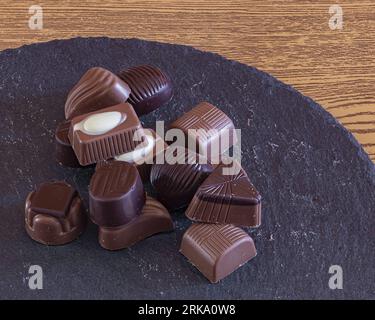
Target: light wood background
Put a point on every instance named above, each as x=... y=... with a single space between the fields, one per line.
x=290 y=39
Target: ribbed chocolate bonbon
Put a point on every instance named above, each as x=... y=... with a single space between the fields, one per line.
x=176 y=183
x=150 y=88
x=97 y=89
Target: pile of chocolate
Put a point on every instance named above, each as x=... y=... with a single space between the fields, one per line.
x=102 y=128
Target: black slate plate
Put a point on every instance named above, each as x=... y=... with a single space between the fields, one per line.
x=317 y=183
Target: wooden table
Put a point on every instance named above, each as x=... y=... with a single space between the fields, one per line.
x=291 y=39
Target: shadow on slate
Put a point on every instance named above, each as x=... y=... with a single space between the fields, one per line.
x=318 y=185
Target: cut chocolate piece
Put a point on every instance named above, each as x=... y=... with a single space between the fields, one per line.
x=63 y=149
x=153 y=219
x=176 y=184
x=54 y=214
x=143 y=156
x=116 y=194
x=97 y=89
x=217 y=250
x=150 y=88
x=207 y=129
x=226 y=198
x=106 y=133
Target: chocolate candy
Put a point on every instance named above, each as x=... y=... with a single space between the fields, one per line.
x=226 y=198
x=97 y=89
x=176 y=184
x=150 y=88
x=217 y=250
x=106 y=133
x=116 y=194
x=142 y=157
x=54 y=214
x=209 y=129
x=153 y=219
x=63 y=149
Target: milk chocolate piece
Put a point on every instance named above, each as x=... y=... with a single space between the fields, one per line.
x=106 y=133
x=150 y=88
x=54 y=214
x=177 y=183
x=153 y=219
x=63 y=149
x=116 y=194
x=213 y=131
x=143 y=156
x=97 y=89
x=230 y=199
x=217 y=250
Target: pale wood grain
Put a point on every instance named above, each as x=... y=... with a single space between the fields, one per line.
x=290 y=39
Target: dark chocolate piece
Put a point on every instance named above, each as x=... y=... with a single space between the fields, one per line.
x=54 y=214
x=106 y=133
x=217 y=250
x=177 y=183
x=143 y=156
x=153 y=219
x=223 y=198
x=150 y=88
x=116 y=194
x=97 y=89
x=217 y=127
x=63 y=149
x=143 y=169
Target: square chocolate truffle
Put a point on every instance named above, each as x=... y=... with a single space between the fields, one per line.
x=207 y=130
x=217 y=250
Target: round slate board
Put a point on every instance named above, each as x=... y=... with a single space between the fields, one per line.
x=318 y=185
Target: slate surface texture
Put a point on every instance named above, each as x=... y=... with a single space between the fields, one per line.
x=317 y=183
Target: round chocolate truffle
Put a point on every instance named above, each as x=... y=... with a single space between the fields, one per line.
x=54 y=214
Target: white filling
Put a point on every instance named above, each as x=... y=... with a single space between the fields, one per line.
x=140 y=152
x=100 y=123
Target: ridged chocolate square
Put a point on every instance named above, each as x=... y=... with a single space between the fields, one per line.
x=207 y=117
x=217 y=250
x=93 y=148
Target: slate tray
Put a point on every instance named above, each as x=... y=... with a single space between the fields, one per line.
x=317 y=183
